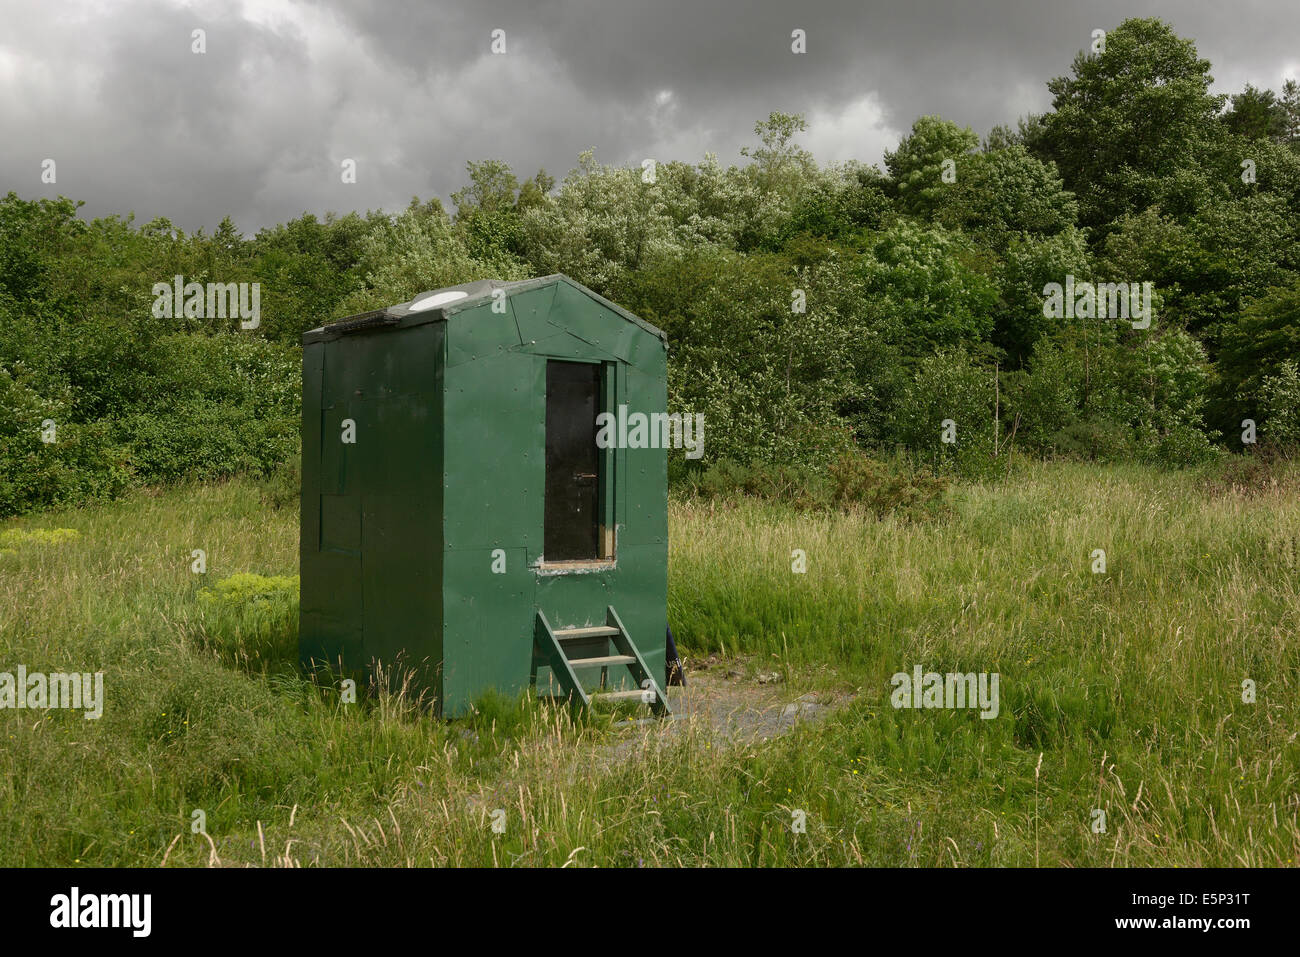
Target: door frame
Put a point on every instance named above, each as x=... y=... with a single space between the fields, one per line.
x=606 y=527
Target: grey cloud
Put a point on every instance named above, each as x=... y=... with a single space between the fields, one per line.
x=257 y=127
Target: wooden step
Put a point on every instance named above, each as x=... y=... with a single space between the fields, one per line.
x=595 y=631
x=602 y=661
x=621 y=696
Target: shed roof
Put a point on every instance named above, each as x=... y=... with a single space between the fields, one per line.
x=438 y=305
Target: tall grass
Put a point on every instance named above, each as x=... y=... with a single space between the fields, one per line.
x=1126 y=686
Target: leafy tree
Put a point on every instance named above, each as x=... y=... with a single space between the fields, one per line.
x=1047 y=396
x=1002 y=137
x=535 y=192
x=945 y=415
x=917 y=165
x=767 y=376
x=604 y=223
x=1140 y=109
x=492 y=188
x=1291 y=104
x=841 y=203
x=1205 y=269
x=418 y=250
x=32 y=235
x=1257 y=115
x=1005 y=192
x=1169 y=381
x=1265 y=334
x=925 y=288
x=486 y=210
x=1030 y=263
x=780 y=165
x=307 y=268
x=1280 y=400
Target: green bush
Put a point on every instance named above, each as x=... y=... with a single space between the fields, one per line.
x=1169 y=380
x=791 y=485
x=949 y=397
x=282 y=488
x=1280 y=398
x=1182 y=445
x=853 y=481
x=1094 y=439
x=860 y=482
x=82 y=463
x=205 y=440
x=219 y=405
x=1046 y=398
x=128 y=405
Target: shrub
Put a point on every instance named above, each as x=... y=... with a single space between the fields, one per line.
x=204 y=439
x=219 y=405
x=1093 y=439
x=82 y=463
x=282 y=488
x=853 y=481
x=948 y=387
x=1259 y=472
x=858 y=481
x=1280 y=399
x=1047 y=396
x=1183 y=445
x=1170 y=382
x=788 y=484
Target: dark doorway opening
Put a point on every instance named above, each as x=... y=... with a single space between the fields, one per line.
x=573 y=463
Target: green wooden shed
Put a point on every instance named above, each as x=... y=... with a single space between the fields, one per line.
x=461 y=522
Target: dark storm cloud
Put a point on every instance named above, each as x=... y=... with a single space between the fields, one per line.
x=258 y=126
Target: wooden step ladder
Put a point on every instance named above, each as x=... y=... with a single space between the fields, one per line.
x=549 y=649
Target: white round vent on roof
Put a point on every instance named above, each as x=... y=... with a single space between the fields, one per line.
x=436 y=299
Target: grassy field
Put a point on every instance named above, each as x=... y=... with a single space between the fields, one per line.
x=1120 y=691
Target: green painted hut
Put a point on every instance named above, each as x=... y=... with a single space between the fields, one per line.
x=460 y=519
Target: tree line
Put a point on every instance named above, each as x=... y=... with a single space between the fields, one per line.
x=812 y=311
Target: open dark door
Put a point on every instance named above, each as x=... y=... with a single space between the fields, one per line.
x=573 y=463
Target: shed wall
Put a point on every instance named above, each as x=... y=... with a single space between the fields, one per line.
x=371 y=548
x=495 y=483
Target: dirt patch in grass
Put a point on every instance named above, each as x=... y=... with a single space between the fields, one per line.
x=731 y=703
x=738 y=704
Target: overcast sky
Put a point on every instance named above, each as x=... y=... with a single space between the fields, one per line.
x=258 y=126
